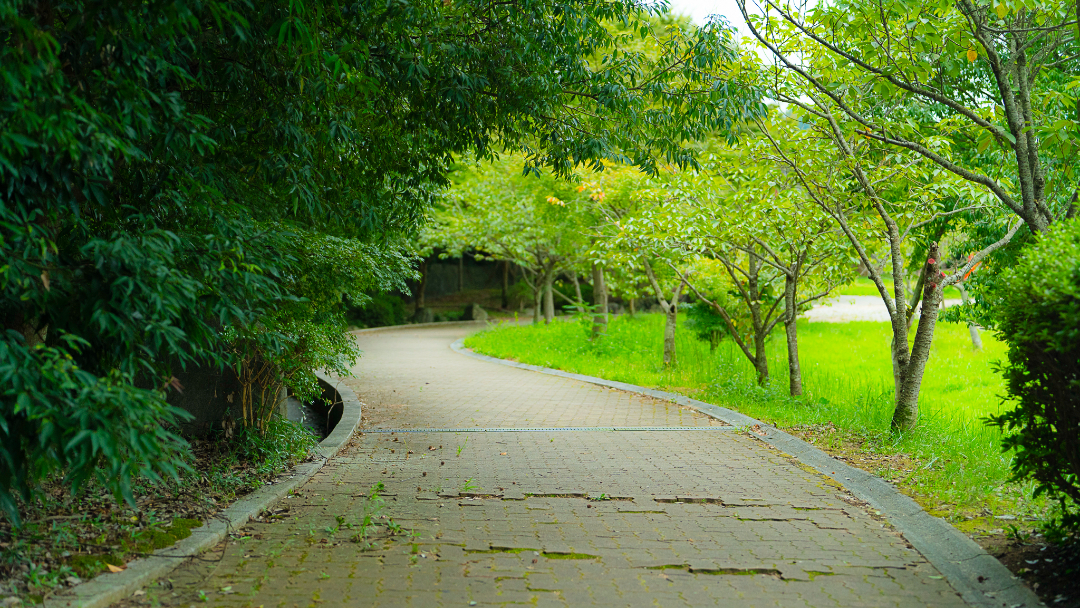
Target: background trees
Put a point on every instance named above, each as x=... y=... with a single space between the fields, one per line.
x=173 y=173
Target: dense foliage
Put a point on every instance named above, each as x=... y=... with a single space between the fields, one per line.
x=201 y=182
x=1039 y=317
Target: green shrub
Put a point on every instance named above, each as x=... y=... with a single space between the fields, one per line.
x=1038 y=304
x=706 y=323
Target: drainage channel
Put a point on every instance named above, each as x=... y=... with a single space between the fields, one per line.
x=551 y=429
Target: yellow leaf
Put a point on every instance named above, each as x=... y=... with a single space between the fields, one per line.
x=1001 y=10
x=113 y=568
x=972 y=55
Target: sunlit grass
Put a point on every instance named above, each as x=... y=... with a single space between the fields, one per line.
x=863 y=286
x=953 y=461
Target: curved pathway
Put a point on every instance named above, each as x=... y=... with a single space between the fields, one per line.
x=523 y=494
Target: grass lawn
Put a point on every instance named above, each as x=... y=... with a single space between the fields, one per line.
x=863 y=286
x=952 y=464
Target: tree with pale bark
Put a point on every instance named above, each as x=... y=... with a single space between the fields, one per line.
x=766 y=252
x=501 y=214
x=878 y=196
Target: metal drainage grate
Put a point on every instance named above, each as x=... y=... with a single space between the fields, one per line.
x=552 y=429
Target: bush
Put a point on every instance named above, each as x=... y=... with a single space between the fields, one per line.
x=1038 y=304
x=706 y=323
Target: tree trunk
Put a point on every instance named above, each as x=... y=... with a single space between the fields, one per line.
x=632 y=309
x=761 y=361
x=421 y=289
x=506 y=285
x=600 y=314
x=461 y=273
x=906 y=414
x=791 y=311
x=714 y=340
x=916 y=296
x=671 y=322
x=973 y=329
x=580 y=305
x=549 y=297
x=538 y=297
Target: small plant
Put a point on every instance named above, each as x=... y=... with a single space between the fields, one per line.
x=332 y=530
x=462 y=446
x=394 y=529
x=1016 y=534
x=468 y=486
x=372 y=509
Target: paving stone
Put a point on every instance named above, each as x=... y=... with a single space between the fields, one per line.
x=716 y=518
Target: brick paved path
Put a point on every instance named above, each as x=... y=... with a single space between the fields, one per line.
x=706 y=517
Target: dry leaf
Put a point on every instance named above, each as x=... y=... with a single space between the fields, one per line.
x=972 y=55
x=45 y=279
x=502 y=453
x=113 y=568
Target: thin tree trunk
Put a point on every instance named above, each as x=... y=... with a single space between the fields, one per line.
x=671 y=312
x=461 y=273
x=577 y=293
x=506 y=285
x=421 y=289
x=714 y=340
x=916 y=296
x=973 y=329
x=600 y=314
x=670 y=324
x=791 y=311
x=632 y=308
x=761 y=360
x=906 y=415
x=538 y=297
x=549 y=297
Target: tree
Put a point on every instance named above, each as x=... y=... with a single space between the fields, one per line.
x=874 y=192
x=670 y=306
x=765 y=253
x=941 y=79
x=171 y=168
x=519 y=218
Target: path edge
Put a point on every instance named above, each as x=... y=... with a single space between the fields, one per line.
x=979 y=578
x=104 y=589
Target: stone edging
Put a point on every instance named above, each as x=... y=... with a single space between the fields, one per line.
x=107 y=588
x=372 y=330
x=980 y=579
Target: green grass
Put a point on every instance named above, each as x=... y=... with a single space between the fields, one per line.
x=952 y=463
x=863 y=286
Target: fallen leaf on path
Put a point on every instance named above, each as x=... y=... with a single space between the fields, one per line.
x=502 y=453
x=113 y=568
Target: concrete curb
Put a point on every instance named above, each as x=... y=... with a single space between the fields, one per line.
x=979 y=578
x=407 y=326
x=107 y=588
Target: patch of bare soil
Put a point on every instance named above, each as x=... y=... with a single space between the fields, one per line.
x=1051 y=571
x=67 y=539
